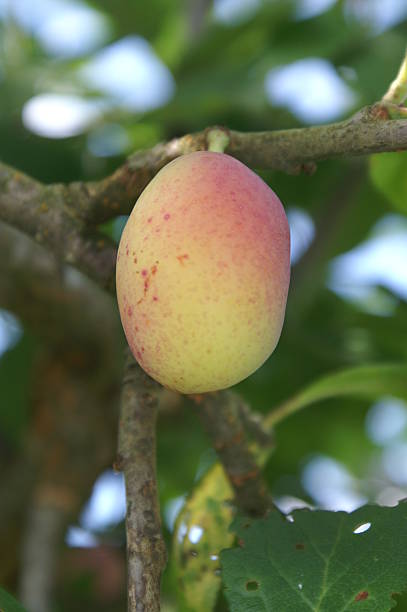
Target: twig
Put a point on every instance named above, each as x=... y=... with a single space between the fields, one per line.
x=146 y=552
x=292 y=151
x=220 y=416
x=61 y=217
x=253 y=423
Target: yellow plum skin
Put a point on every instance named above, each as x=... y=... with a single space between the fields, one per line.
x=202 y=275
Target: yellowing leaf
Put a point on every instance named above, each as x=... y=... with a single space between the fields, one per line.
x=202 y=531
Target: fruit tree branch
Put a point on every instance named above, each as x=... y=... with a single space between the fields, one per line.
x=70 y=441
x=46 y=214
x=292 y=151
x=146 y=552
x=63 y=217
x=221 y=417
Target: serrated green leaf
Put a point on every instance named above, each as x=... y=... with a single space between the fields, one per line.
x=388 y=172
x=196 y=562
x=317 y=562
x=365 y=381
x=8 y=603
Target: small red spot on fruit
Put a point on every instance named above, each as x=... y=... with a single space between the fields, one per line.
x=130 y=311
x=361 y=596
x=127 y=251
x=166 y=216
x=155 y=299
x=135 y=260
x=136 y=328
x=153 y=270
x=144 y=272
x=146 y=285
x=149 y=219
x=182 y=258
x=142 y=349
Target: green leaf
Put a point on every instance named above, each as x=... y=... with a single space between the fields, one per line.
x=196 y=563
x=318 y=562
x=388 y=172
x=8 y=603
x=208 y=506
x=365 y=381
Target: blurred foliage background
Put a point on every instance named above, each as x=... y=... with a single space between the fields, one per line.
x=82 y=85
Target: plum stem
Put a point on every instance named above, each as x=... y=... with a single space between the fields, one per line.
x=218 y=139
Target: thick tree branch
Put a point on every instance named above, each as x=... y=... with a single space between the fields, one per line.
x=117 y=194
x=292 y=151
x=146 y=553
x=71 y=437
x=69 y=442
x=63 y=217
x=46 y=214
x=221 y=417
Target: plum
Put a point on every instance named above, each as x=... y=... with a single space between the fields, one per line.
x=203 y=270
